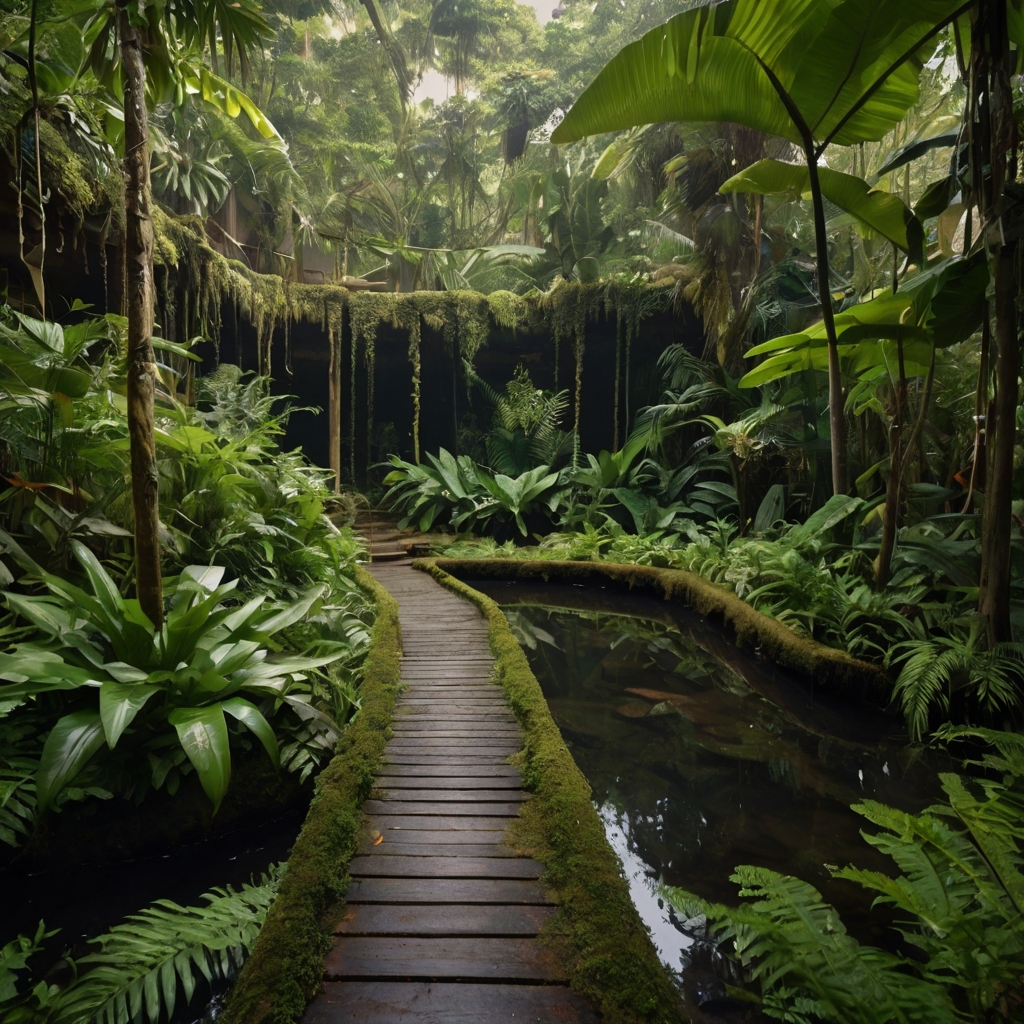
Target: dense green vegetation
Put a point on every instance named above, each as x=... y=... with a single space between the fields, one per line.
x=832 y=187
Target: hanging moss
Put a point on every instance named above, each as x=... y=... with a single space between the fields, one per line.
x=508 y=309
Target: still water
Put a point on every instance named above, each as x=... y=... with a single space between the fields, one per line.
x=702 y=757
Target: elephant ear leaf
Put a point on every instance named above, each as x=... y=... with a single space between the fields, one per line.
x=203 y=735
x=119 y=704
x=68 y=748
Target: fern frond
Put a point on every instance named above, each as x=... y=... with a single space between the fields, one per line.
x=136 y=974
x=17 y=799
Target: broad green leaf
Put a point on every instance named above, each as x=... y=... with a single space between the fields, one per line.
x=119 y=704
x=881 y=212
x=68 y=748
x=102 y=585
x=849 y=69
x=250 y=716
x=203 y=734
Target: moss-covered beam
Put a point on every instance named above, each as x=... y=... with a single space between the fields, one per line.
x=286 y=966
x=597 y=932
x=827 y=667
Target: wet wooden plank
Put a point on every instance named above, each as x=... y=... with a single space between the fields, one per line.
x=478 y=771
x=385 y=865
x=397 y=844
x=469 y=959
x=454 y=759
x=401 y=742
x=383 y=792
x=475 y=808
x=434 y=784
x=439 y=1003
x=463 y=919
x=446 y=890
x=441 y=840
x=440 y=823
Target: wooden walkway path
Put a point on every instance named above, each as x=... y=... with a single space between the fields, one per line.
x=442 y=918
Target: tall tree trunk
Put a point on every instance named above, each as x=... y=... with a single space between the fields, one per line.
x=894 y=484
x=997 y=521
x=836 y=401
x=990 y=85
x=138 y=257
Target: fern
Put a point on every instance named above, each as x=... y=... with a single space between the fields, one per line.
x=136 y=974
x=934 y=669
x=809 y=968
x=959 y=898
x=17 y=799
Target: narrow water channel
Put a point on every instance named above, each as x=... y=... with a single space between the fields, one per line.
x=702 y=757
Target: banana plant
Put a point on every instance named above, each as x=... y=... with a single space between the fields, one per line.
x=811 y=72
x=206 y=663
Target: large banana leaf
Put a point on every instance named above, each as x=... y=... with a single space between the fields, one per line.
x=844 y=71
x=881 y=212
x=940 y=306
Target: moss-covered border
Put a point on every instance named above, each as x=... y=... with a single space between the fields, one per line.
x=829 y=668
x=598 y=934
x=286 y=966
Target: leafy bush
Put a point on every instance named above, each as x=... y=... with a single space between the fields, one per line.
x=959 y=900
x=458 y=492
x=166 y=689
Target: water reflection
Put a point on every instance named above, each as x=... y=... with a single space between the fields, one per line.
x=702 y=757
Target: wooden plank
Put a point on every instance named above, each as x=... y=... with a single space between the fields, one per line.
x=468 y=959
x=474 y=808
x=379 y=1002
x=479 y=771
x=442 y=841
x=439 y=782
x=445 y=890
x=455 y=745
x=386 y=865
x=391 y=847
x=382 y=792
x=440 y=823
x=454 y=920
x=416 y=731
x=454 y=760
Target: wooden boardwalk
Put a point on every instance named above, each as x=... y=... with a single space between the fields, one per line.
x=442 y=918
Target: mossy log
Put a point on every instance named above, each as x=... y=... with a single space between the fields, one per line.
x=827 y=667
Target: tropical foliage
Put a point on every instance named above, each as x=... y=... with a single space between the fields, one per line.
x=956 y=902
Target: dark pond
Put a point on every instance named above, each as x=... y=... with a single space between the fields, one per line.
x=702 y=757
x=85 y=903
